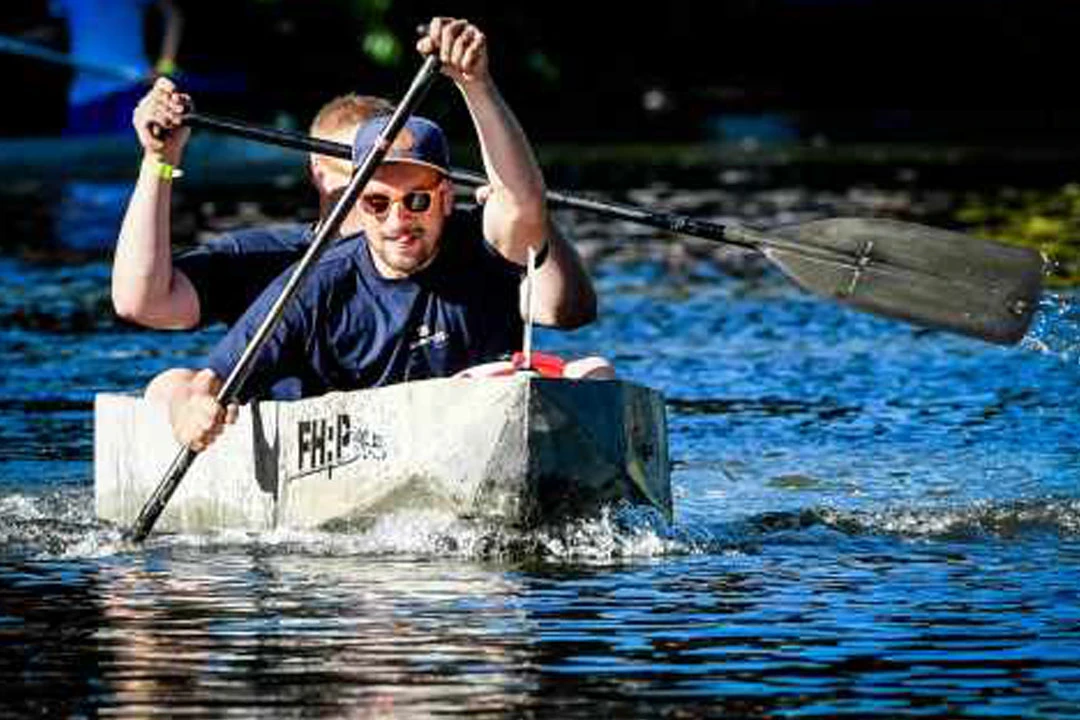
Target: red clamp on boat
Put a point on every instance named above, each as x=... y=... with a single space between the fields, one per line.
x=549 y=366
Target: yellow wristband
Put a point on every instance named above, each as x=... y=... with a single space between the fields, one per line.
x=165 y=171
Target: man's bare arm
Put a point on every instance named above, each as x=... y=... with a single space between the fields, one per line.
x=515 y=213
x=146 y=288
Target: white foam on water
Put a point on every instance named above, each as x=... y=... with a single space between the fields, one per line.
x=1055 y=330
x=615 y=534
x=19 y=506
x=60 y=523
x=612 y=536
x=57 y=523
x=988 y=518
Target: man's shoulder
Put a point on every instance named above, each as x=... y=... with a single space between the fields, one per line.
x=272 y=237
x=344 y=252
x=338 y=263
x=272 y=241
x=335 y=265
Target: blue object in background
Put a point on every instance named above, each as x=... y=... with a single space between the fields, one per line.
x=110 y=33
x=765 y=128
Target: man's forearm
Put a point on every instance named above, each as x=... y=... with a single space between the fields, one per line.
x=516 y=181
x=563 y=294
x=508 y=158
x=515 y=211
x=144 y=287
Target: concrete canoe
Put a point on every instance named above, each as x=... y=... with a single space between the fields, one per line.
x=522 y=450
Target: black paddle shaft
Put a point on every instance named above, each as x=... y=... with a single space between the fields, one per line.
x=324 y=234
x=282 y=138
x=906 y=271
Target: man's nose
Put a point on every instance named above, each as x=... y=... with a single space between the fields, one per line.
x=396 y=213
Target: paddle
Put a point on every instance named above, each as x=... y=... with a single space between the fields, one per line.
x=324 y=235
x=911 y=272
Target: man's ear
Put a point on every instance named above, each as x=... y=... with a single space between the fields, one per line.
x=447 y=188
x=315 y=170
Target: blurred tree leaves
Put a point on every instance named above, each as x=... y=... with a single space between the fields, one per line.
x=1048 y=220
x=369 y=18
x=379 y=41
x=383 y=47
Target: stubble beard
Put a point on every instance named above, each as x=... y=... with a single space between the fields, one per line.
x=402 y=262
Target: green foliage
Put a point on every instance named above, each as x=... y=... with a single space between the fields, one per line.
x=374 y=6
x=1046 y=220
x=383 y=47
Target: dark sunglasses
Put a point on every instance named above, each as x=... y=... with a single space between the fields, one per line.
x=378 y=204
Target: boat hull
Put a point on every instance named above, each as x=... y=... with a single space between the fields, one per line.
x=521 y=450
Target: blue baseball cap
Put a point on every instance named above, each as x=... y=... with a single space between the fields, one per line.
x=420 y=141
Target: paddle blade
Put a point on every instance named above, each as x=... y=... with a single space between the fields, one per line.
x=923 y=275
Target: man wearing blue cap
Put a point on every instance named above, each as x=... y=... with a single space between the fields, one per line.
x=423 y=291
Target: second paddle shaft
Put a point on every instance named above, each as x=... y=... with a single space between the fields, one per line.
x=915 y=273
x=739 y=236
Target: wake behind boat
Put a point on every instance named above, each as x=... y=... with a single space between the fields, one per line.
x=521 y=450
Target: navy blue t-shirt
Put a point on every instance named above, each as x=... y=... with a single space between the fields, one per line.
x=230 y=270
x=348 y=327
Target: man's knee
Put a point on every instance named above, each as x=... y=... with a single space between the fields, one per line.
x=162 y=387
x=589 y=368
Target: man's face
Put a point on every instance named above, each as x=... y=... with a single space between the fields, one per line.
x=402 y=211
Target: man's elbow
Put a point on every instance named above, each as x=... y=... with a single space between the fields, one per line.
x=576 y=314
x=132 y=308
x=583 y=315
x=128 y=306
x=137 y=310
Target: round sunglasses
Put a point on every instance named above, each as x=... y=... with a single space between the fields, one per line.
x=379 y=204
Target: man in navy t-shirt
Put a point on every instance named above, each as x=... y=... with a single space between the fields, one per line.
x=421 y=291
x=352 y=325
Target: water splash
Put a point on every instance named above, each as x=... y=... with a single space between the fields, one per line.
x=617 y=534
x=55 y=523
x=60 y=523
x=1056 y=329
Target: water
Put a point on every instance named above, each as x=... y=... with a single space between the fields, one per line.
x=871 y=520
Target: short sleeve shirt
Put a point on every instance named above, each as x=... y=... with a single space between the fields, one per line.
x=231 y=270
x=348 y=327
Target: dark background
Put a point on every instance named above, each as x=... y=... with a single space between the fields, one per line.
x=997 y=72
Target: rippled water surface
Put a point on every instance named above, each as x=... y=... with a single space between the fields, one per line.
x=871 y=520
